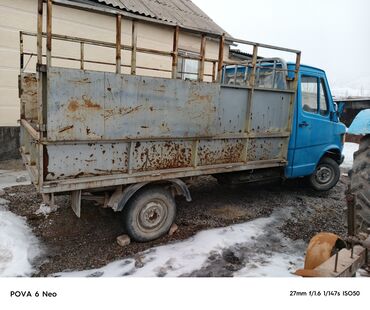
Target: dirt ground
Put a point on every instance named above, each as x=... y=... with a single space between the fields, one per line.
x=90 y=242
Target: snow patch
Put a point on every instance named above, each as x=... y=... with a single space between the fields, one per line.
x=8 y=178
x=348 y=150
x=18 y=246
x=265 y=252
x=45 y=210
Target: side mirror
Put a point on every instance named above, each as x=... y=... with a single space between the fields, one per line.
x=336 y=107
x=334 y=115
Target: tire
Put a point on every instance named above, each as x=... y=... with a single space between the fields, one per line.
x=149 y=214
x=359 y=187
x=326 y=175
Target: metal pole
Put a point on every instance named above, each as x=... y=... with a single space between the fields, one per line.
x=40 y=10
x=48 y=32
x=118 y=43
x=220 y=57
x=202 y=57
x=134 y=47
x=175 y=52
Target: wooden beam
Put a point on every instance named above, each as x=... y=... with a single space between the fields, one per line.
x=118 y=43
x=220 y=57
x=134 y=47
x=49 y=18
x=40 y=10
x=175 y=52
x=202 y=57
x=347 y=263
x=82 y=56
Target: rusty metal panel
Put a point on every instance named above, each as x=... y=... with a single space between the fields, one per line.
x=264 y=148
x=81 y=160
x=213 y=152
x=143 y=107
x=75 y=104
x=270 y=111
x=86 y=105
x=151 y=156
x=233 y=109
x=29 y=95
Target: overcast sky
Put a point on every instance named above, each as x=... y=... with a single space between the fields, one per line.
x=332 y=34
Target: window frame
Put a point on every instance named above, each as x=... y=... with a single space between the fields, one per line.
x=320 y=81
x=324 y=88
x=182 y=53
x=317 y=94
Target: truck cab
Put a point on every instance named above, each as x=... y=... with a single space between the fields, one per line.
x=317 y=137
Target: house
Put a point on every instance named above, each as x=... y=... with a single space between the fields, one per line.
x=154 y=24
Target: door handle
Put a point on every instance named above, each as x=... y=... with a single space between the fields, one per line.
x=303 y=124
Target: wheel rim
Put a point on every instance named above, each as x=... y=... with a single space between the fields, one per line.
x=324 y=174
x=152 y=216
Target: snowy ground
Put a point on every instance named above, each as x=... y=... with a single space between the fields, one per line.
x=348 y=150
x=9 y=178
x=252 y=249
x=18 y=246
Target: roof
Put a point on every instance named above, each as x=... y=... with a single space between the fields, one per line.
x=183 y=13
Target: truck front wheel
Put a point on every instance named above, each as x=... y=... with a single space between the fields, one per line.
x=326 y=175
x=149 y=214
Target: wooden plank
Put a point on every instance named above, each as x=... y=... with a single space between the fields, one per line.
x=118 y=43
x=220 y=58
x=202 y=58
x=347 y=266
x=134 y=47
x=49 y=18
x=82 y=55
x=40 y=10
x=175 y=52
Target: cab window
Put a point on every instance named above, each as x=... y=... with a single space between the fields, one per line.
x=309 y=94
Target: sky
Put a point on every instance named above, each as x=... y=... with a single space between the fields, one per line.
x=333 y=35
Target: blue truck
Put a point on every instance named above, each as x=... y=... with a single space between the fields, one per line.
x=131 y=142
x=317 y=135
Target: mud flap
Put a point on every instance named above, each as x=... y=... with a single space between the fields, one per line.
x=76 y=202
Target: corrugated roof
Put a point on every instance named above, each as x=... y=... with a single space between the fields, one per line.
x=179 y=12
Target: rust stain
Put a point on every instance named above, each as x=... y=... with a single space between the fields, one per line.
x=153 y=156
x=73 y=105
x=228 y=152
x=82 y=81
x=66 y=128
x=90 y=104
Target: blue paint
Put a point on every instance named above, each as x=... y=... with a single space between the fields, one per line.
x=313 y=134
x=361 y=123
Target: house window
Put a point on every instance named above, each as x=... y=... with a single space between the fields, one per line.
x=187 y=69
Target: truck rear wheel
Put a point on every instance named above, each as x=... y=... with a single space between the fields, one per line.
x=149 y=214
x=360 y=186
x=326 y=175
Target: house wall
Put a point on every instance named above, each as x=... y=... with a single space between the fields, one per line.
x=21 y=15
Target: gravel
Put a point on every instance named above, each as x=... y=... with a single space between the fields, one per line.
x=90 y=242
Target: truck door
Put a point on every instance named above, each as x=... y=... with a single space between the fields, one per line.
x=314 y=128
